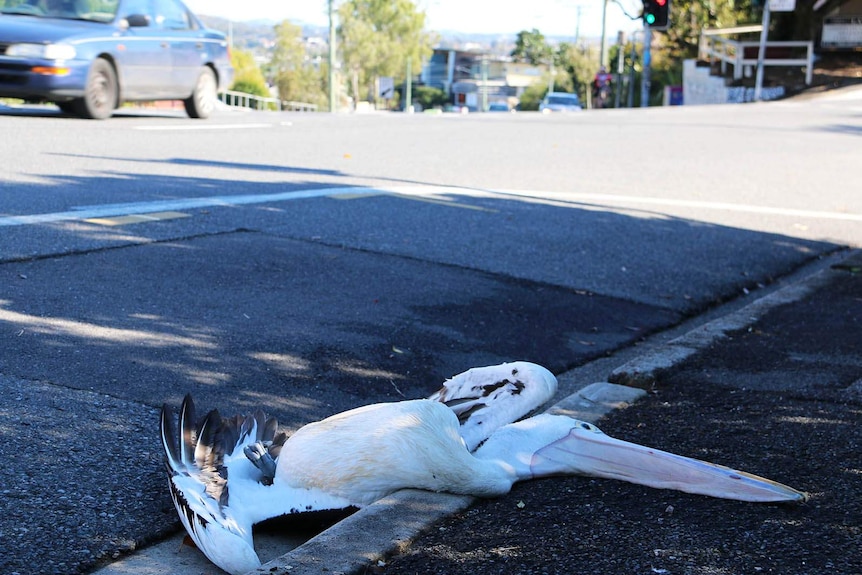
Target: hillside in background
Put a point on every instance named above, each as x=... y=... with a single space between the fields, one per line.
x=259 y=35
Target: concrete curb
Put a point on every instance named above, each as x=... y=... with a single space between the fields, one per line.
x=393 y=523
x=643 y=371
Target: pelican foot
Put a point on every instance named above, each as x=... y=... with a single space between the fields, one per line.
x=260 y=458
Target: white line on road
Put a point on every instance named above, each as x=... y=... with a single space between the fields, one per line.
x=604 y=199
x=202 y=126
x=599 y=200
x=111 y=210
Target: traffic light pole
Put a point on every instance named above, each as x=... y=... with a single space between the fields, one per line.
x=646 y=75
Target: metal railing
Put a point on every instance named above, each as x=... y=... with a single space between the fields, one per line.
x=253 y=102
x=739 y=54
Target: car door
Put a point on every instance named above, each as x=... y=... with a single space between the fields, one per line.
x=145 y=60
x=188 y=51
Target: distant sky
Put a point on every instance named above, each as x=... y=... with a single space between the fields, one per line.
x=550 y=17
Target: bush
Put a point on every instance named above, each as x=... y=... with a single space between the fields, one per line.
x=429 y=97
x=532 y=97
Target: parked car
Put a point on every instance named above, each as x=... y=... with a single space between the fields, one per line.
x=560 y=102
x=499 y=107
x=89 y=56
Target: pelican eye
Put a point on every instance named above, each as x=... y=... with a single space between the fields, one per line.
x=590 y=427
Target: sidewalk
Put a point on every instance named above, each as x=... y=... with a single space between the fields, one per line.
x=774 y=389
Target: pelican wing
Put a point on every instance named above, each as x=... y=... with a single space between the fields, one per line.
x=487 y=398
x=222 y=479
x=198 y=461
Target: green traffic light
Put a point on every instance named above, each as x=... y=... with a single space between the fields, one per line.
x=650 y=18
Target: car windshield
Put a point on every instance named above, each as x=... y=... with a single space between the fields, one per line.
x=94 y=10
x=563 y=100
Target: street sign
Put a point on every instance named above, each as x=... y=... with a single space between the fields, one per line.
x=386 y=87
x=782 y=5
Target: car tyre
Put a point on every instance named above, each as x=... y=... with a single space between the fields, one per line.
x=203 y=100
x=100 y=94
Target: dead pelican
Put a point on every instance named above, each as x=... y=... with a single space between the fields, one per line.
x=226 y=474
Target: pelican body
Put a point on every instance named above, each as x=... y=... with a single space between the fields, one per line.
x=226 y=474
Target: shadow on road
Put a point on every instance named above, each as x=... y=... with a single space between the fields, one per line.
x=308 y=307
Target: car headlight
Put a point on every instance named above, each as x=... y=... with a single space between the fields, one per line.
x=45 y=51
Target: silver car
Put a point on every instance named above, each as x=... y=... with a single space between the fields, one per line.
x=560 y=102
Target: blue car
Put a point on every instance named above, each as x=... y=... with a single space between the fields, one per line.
x=89 y=56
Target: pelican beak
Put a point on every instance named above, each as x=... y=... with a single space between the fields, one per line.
x=588 y=451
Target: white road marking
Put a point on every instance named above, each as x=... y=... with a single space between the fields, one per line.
x=442 y=192
x=604 y=199
x=137 y=218
x=112 y=210
x=201 y=126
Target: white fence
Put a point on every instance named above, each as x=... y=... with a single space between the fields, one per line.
x=740 y=54
x=252 y=102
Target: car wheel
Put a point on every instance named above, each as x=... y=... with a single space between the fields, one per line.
x=202 y=101
x=100 y=95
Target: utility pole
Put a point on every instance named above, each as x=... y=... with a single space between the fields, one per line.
x=634 y=56
x=602 y=49
x=408 y=89
x=621 y=58
x=646 y=77
x=578 y=25
x=484 y=82
x=332 y=109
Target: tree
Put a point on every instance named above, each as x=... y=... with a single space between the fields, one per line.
x=690 y=17
x=377 y=37
x=429 y=97
x=577 y=66
x=296 y=78
x=532 y=96
x=247 y=75
x=531 y=47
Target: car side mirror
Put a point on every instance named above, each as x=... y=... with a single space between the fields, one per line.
x=138 y=20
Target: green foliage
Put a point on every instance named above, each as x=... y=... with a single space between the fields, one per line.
x=531 y=47
x=690 y=17
x=573 y=71
x=247 y=75
x=578 y=67
x=429 y=97
x=296 y=78
x=532 y=97
x=377 y=37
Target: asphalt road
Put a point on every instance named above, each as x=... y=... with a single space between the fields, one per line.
x=312 y=263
